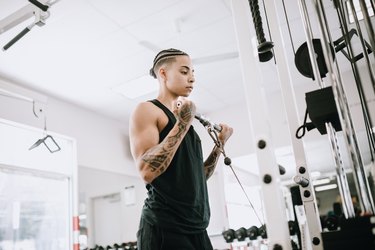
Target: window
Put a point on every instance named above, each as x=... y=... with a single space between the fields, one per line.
x=34 y=211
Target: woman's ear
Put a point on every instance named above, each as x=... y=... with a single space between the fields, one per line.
x=163 y=73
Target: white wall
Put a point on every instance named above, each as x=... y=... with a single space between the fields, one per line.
x=102 y=143
x=95 y=183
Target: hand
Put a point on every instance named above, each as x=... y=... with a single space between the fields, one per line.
x=184 y=110
x=225 y=133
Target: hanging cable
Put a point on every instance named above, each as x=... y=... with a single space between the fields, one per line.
x=268 y=27
x=227 y=161
x=287 y=23
x=306 y=125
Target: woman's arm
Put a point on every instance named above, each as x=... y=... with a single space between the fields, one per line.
x=211 y=161
x=151 y=157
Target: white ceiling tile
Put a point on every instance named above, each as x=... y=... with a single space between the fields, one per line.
x=80 y=27
x=208 y=39
x=223 y=79
x=175 y=20
x=134 y=66
x=125 y=13
x=204 y=100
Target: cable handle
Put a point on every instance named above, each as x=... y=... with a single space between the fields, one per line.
x=207 y=123
x=18 y=36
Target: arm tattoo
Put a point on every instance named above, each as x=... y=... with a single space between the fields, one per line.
x=185 y=114
x=211 y=162
x=160 y=156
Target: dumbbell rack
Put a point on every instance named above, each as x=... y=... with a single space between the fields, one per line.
x=255 y=238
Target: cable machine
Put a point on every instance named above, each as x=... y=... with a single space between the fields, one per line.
x=312 y=236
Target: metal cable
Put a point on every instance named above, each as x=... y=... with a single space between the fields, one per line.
x=227 y=161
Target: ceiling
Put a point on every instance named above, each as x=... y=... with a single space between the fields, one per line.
x=88 y=49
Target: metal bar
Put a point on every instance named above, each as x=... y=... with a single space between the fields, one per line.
x=274 y=203
x=342 y=181
x=343 y=184
x=362 y=39
x=313 y=231
x=18 y=36
x=365 y=110
x=351 y=141
x=308 y=32
x=5 y=92
x=16 y=18
x=368 y=23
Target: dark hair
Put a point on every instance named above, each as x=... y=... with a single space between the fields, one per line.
x=163 y=55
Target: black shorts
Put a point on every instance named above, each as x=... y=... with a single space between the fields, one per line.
x=151 y=237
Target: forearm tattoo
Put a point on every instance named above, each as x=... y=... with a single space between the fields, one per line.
x=159 y=157
x=185 y=114
x=211 y=162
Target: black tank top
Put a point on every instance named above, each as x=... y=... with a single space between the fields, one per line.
x=177 y=199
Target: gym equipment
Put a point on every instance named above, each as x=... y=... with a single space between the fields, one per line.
x=255 y=238
x=354 y=233
x=274 y=208
x=241 y=234
x=212 y=130
x=303 y=62
x=308 y=218
x=321 y=108
x=349 y=54
x=229 y=235
x=49 y=142
x=264 y=47
x=35 y=8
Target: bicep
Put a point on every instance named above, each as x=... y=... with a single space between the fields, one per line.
x=143 y=132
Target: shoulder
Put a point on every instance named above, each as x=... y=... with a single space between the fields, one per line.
x=145 y=113
x=144 y=109
x=144 y=106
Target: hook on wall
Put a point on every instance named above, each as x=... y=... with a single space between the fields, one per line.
x=36 y=111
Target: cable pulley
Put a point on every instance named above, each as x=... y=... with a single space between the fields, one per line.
x=264 y=47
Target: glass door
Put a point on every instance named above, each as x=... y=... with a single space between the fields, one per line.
x=34 y=210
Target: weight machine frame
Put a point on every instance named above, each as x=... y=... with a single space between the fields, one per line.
x=278 y=233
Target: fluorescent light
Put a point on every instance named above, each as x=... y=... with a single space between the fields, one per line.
x=321 y=181
x=315 y=174
x=325 y=187
x=137 y=87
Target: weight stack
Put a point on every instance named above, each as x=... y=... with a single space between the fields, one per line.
x=321 y=108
